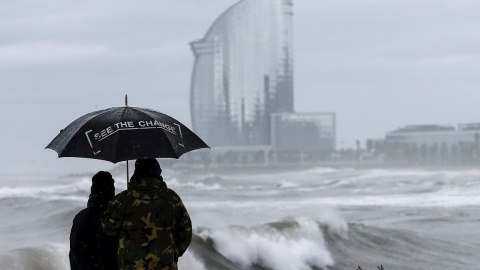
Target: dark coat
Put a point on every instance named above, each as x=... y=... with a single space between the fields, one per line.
x=90 y=247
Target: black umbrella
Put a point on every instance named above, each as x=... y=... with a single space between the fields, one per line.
x=125 y=133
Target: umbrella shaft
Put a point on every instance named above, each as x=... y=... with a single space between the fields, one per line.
x=128 y=181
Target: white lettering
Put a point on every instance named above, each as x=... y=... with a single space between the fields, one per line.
x=146 y=124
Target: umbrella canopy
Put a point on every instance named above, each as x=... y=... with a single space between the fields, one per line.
x=125 y=133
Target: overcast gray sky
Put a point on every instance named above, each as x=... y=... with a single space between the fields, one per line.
x=377 y=64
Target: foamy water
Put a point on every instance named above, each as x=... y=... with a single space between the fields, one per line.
x=321 y=218
x=293 y=244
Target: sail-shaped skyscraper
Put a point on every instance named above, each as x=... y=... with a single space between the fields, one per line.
x=243 y=73
x=242 y=85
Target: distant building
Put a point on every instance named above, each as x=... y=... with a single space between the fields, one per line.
x=431 y=145
x=243 y=72
x=430 y=135
x=305 y=132
x=242 y=91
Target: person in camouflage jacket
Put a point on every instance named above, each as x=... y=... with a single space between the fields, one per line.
x=152 y=224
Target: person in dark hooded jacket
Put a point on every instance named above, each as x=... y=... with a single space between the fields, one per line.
x=150 y=220
x=90 y=247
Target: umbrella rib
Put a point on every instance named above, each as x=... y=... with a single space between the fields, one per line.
x=76 y=126
x=166 y=135
x=116 y=137
x=148 y=111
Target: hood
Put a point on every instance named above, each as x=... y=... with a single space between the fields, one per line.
x=147 y=188
x=146 y=168
x=98 y=201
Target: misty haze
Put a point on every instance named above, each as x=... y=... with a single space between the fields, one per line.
x=342 y=135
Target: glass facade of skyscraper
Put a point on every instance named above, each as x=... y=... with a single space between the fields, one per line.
x=243 y=73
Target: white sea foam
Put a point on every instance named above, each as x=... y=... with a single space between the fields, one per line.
x=287 y=184
x=295 y=246
x=190 y=261
x=384 y=173
x=320 y=170
x=174 y=183
x=60 y=251
x=397 y=200
x=333 y=221
x=47 y=256
x=70 y=191
x=55 y=192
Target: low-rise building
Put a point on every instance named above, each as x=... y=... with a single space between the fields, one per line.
x=430 y=135
x=431 y=145
x=303 y=132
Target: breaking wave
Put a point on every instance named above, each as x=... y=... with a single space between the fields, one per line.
x=76 y=191
x=174 y=183
x=45 y=257
x=291 y=244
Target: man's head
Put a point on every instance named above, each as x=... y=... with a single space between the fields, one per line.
x=147 y=168
x=102 y=184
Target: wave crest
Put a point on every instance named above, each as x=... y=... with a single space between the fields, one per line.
x=293 y=244
x=48 y=256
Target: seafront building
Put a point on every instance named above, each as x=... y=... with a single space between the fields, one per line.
x=430 y=145
x=242 y=85
x=434 y=135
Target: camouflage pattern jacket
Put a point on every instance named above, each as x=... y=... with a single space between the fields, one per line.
x=152 y=224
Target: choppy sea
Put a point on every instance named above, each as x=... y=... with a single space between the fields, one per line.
x=321 y=218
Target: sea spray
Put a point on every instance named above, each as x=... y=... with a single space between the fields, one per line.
x=292 y=244
x=190 y=261
x=44 y=257
x=73 y=191
x=175 y=184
